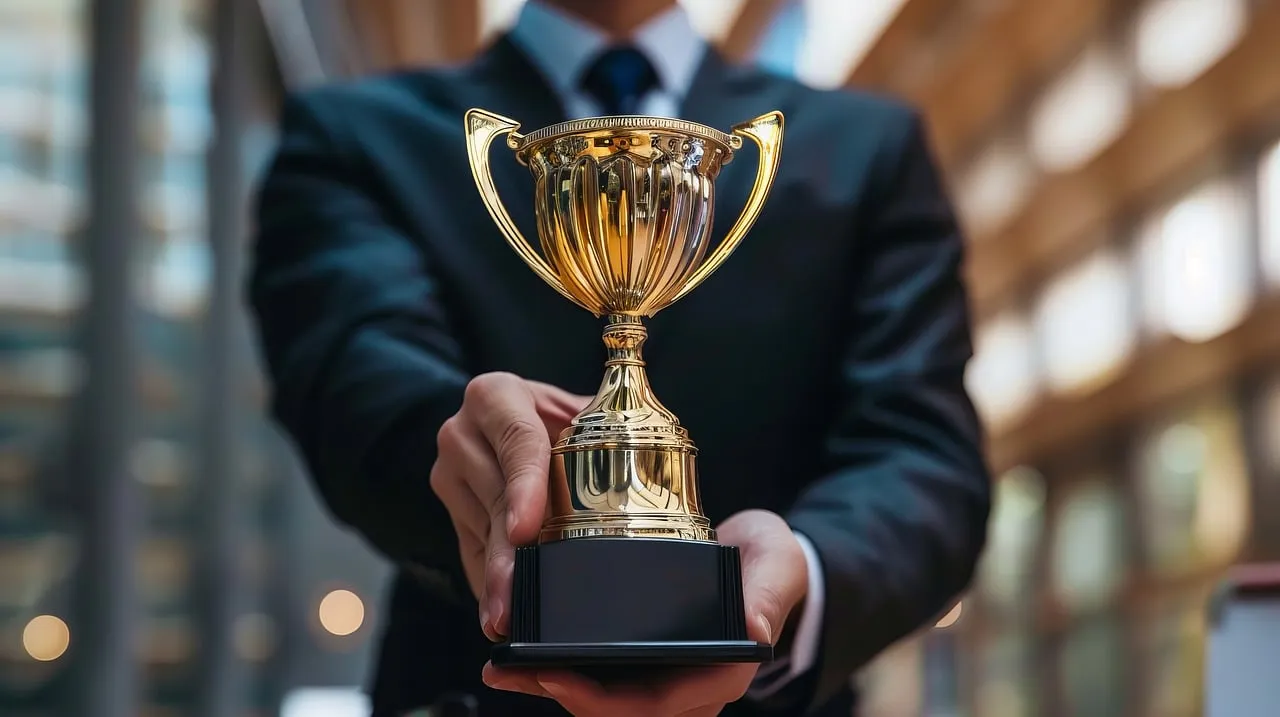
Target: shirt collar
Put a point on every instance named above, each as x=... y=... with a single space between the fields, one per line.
x=562 y=46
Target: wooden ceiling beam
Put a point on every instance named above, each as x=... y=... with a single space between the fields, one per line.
x=1168 y=139
x=1008 y=52
x=904 y=36
x=410 y=33
x=1158 y=377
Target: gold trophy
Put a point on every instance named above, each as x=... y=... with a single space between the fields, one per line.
x=627 y=570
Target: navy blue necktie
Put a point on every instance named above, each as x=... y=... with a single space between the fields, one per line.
x=618 y=79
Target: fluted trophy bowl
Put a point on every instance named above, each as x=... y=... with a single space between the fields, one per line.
x=623 y=208
x=625 y=211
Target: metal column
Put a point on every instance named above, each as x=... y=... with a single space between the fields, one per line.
x=105 y=637
x=221 y=592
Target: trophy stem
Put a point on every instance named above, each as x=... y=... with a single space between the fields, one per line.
x=625 y=467
x=624 y=337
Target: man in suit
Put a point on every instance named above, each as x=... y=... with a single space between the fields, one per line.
x=423 y=370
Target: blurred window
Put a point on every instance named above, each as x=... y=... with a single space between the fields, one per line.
x=839 y=34
x=43 y=121
x=712 y=18
x=1008 y=685
x=325 y=702
x=1269 y=209
x=1002 y=375
x=1173 y=647
x=892 y=685
x=994 y=187
x=781 y=45
x=1086 y=323
x=1197 y=264
x=1089 y=551
x=1193 y=485
x=1007 y=576
x=1081 y=113
x=1175 y=41
x=1093 y=669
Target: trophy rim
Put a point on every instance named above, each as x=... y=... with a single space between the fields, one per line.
x=632 y=123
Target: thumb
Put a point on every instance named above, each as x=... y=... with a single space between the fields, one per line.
x=775 y=574
x=556 y=406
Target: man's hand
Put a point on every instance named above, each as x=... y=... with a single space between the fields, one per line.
x=775 y=579
x=491 y=475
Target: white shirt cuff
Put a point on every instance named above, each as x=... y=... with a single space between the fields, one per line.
x=804 y=646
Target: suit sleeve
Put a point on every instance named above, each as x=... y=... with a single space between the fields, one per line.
x=356 y=340
x=900 y=519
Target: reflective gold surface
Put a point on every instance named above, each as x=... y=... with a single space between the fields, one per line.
x=624 y=213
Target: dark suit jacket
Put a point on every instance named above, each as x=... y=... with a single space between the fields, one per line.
x=820 y=370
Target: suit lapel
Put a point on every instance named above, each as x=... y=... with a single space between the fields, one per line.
x=721 y=96
x=505 y=82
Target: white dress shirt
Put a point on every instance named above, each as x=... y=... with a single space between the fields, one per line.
x=561 y=48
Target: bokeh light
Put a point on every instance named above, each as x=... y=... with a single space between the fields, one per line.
x=341 y=612
x=46 y=638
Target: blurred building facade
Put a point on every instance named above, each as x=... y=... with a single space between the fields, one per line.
x=1116 y=165
x=245 y=590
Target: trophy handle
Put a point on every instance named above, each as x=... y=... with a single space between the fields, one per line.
x=766 y=132
x=482 y=127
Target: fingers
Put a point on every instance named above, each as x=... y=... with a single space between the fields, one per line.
x=491 y=475
x=502 y=406
x=467 y=480
x=499 y=565
x=775 y=574
x=466 y=476
x=513 y=681
x=694 y=694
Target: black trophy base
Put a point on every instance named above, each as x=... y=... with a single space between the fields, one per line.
x=623 y=602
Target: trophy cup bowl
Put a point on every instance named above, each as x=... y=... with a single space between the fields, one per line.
x=626 y=570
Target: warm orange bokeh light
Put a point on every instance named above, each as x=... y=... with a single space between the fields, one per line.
x=341 y=612
x=46 y=638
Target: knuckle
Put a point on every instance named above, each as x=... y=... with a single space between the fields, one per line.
x=450 y=434
x=519 y=449
x=437 y=480
x=519 y=435
x=499 y=563
x=483 y=387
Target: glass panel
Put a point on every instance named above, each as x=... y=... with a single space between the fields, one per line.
x=1198 y=264
x=1086 y=323
x=840 y=34
x=1177 y=40
x=994 y=187
x=1009 y=684
x=173 y=281
x=713 y=18
x=1088 y=547
x=1081 y=113
x=1002 y=375
x=941 y=676
x=1269 y=208
x=1007 y=575
x=893 y=684
x=42 y=141
x=1173 y=647
x=1194 y=487
x=781 y=45
x=1093 y=670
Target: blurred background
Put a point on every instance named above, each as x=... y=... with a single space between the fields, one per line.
x=1117 y=167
